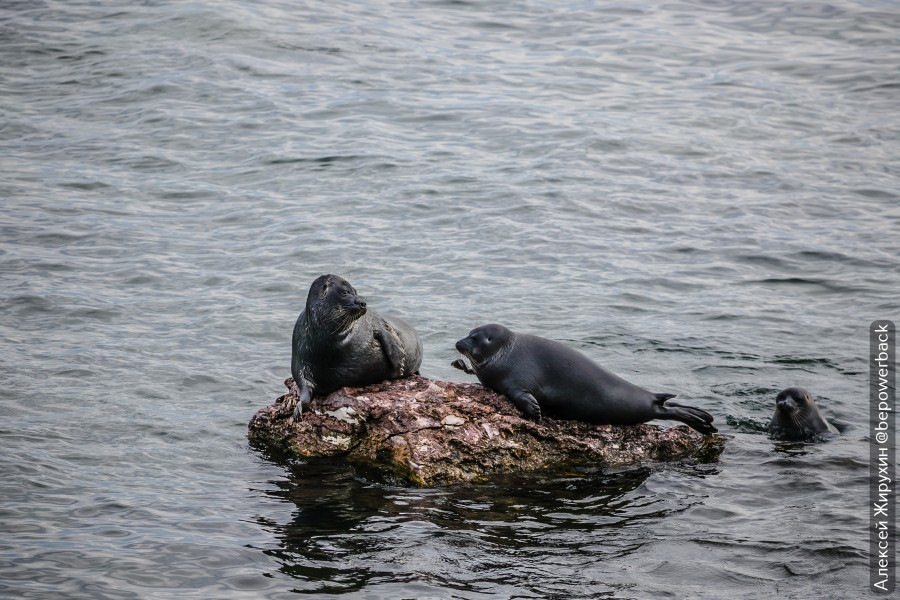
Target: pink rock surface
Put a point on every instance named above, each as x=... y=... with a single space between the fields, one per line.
x=428 y=432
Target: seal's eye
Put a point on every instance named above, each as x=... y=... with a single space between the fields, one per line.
x=489 y=339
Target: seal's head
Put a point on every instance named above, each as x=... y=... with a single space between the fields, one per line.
x=332 y=299
x=792 y=402
x=797 y=416
x=483 y=342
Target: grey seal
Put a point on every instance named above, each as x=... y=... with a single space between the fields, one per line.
x=339 y=342
x=543 y=376
x=797 y=416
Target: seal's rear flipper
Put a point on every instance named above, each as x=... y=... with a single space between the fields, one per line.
x=693 y=417
x=697 y=411
x=661 y=398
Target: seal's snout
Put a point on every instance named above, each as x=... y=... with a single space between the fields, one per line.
x=462 y=347
x=786 y=405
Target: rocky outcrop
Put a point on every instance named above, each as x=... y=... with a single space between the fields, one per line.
x=427 y=432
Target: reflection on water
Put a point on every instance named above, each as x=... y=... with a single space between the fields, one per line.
x=347 y=534
x=342 y=523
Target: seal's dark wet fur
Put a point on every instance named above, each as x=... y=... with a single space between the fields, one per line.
x=542 y=376
x=339 y=342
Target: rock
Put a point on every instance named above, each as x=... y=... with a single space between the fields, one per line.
x=427 y=432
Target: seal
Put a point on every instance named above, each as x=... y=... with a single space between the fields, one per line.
x=797 y=416
x=543 y=376
x=338 y=342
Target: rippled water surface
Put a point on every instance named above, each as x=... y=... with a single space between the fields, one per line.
x=702 y=196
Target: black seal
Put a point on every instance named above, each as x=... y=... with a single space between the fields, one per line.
x=542 y=376
x=339 y=342
x=797 y=416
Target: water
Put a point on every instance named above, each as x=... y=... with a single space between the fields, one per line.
x=702 y=196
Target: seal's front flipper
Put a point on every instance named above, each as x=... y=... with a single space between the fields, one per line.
x=462 y=366
x=528 y=404
x=388 y=340
x=303 y=398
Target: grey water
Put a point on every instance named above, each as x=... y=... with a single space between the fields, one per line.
x=702 y=196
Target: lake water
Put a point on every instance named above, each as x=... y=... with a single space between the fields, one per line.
x=701 y=196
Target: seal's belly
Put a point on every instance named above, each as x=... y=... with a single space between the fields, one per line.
x=592 y=397
x=360 y=368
